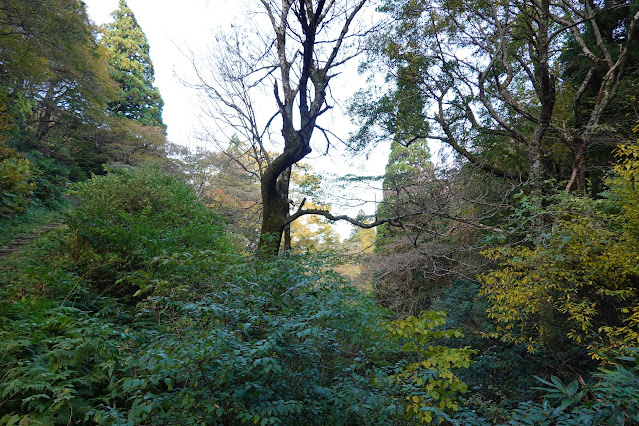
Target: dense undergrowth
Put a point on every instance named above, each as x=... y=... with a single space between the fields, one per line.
x=28 y=223
x=140 y=308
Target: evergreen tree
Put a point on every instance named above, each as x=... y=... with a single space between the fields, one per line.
x=128 y=52
x=408 y=170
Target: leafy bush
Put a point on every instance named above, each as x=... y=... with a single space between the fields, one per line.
x=431 y=380
x=269 y=343
x=501 y=374
x=611 y=399
x=579 y=279
x=50 y=178
x=214 y=337
x=284 y=342
x=56 y=362
x=131 y=216
x=15 y=180
x=287 y=342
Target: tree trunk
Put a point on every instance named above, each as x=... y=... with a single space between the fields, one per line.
x=307 y=97
x=288 y=244
x=44 y=126
x=275 y=203
x=274 y=214
x=546 y=93
x=579 y=170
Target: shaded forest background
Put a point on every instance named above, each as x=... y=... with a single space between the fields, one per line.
x=143 y=283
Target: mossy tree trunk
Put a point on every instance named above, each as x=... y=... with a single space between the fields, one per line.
x=300 y=93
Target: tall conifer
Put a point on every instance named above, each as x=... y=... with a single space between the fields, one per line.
x=128 y=52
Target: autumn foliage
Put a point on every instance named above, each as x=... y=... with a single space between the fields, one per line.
x=580 y=279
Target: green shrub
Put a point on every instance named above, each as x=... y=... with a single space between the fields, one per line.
x=213 y=338
x=50 y=179
x=15 y=180
x=611 y=398
x=56 y=361
x=131 y=216
x=430 y=378
x=287 y=342
x=284 y=342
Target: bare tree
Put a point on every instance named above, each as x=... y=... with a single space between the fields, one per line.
x=307 y=41
x=442 y=220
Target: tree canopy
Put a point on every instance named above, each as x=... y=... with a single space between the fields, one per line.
x=497 y=84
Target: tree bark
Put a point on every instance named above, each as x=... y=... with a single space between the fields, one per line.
x=306 y=95
x=546 y=93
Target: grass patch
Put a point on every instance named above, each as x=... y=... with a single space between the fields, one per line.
x=25 y=223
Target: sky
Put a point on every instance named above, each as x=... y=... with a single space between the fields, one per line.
x=169 y=24
x=172 y=27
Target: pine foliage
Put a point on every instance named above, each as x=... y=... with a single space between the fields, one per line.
x=128 y=53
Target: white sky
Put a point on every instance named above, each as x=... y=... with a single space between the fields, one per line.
x=191 y=23
x=168 y=24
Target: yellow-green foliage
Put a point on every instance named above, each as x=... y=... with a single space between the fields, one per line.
x=625 y=186
x=15 y=173
x=581 y=279
x=313 y=234
x=432 y=376
x=15 y=170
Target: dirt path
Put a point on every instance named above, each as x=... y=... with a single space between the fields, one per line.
x=16 y=245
